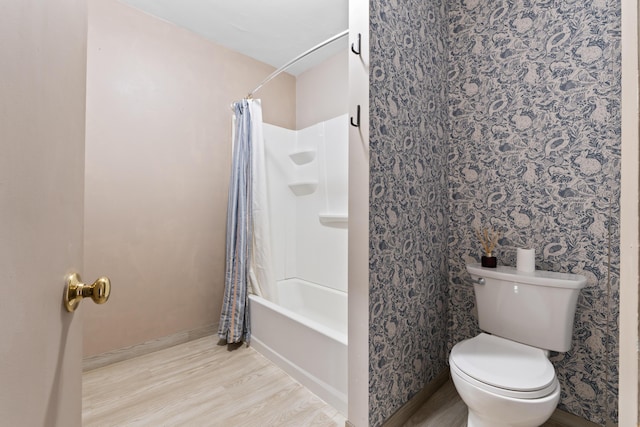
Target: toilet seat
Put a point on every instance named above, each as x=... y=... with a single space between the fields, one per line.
x=504 y=367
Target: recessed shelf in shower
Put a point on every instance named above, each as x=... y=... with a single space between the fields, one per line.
x=303 y=188
x=333 y=218
x=303 y=157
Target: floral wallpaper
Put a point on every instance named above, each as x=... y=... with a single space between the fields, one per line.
x=534 y=97
x=529 y=145
x=408 y=202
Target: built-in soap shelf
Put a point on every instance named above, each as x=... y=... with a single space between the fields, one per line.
x=303 y=188
x=333 y=218
x=303 y=157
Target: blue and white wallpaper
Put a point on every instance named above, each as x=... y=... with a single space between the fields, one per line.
x=408 y=216
x=534 y=94
x=529 y=145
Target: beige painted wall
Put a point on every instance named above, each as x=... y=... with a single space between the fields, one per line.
x=157 y=166
x=322 y=91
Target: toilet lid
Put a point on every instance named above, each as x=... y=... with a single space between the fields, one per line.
x=503 y=363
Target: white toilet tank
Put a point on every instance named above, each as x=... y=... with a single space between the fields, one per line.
x=535 y=308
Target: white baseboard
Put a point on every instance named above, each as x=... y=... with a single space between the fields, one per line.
x=114 y=356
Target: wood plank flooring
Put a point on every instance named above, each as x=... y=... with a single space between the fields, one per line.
x=200 y=383
x=446 y=408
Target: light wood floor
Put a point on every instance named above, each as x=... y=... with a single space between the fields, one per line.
x=200 y=383
x=446 y=408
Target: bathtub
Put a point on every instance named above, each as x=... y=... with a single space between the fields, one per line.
x=306 y=336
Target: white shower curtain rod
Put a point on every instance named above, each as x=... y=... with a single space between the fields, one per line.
x=296 y=59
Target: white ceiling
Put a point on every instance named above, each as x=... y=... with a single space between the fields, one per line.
x=271 y=31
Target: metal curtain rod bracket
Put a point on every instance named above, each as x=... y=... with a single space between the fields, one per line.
x=296 y=59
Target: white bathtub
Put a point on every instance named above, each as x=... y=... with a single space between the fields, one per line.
x=306 y=336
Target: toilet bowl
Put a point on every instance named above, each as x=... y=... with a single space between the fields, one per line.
x=504 y=376
x=503 y=383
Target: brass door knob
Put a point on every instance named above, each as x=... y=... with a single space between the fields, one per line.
x=99 y=291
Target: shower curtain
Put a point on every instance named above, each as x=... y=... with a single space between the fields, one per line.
x=248 y=262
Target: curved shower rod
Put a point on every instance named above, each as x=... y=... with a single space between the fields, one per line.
x=296 y=59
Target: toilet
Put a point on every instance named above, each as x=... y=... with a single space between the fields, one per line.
x=504 y=375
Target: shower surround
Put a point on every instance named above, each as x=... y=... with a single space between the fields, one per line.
x=513 y=107
x=303 y=327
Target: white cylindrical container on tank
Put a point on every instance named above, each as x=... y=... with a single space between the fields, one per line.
x=526 y=260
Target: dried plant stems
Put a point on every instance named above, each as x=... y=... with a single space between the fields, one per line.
x=488 y=238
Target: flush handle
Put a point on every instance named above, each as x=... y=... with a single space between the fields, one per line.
x=478 y=281
x=75 y=291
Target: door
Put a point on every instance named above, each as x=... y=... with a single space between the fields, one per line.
x=42 y=110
